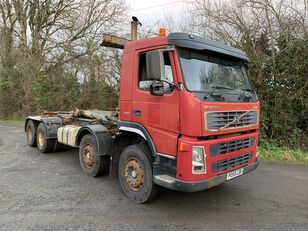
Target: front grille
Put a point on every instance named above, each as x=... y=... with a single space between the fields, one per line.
x=231 y=146
x=233 y=162
x=231 y=119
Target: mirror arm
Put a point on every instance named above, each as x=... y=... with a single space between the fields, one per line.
x=172 y=84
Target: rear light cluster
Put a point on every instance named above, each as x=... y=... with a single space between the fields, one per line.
x=198 y=160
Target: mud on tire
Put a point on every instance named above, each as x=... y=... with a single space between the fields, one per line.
x=31 y=128
x=136 y=175
x=90 y=163
x=43 y=144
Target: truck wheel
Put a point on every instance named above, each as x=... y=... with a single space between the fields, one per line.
x=58 y=146
x=135 y=174
x=43 y=144
x=90 y=163
x=31 y=128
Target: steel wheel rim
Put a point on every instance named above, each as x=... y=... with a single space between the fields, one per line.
x=88 y=155
x=29 y=133
x=134 y=174
x=41 y=138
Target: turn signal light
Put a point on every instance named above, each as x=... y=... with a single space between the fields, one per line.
x=162 y=32
x=183 y=147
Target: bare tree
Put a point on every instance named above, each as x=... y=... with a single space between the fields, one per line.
x=53 y=33
x=273 y=33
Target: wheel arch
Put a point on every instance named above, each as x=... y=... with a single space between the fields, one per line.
x=35 y=119
x=99 y=132
x=130 y=133
x=51 y=124
x=136 y=128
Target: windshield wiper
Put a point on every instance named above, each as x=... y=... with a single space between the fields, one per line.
x=220 y=87
x=246 y=93
x=247 y=89
x=217 y=94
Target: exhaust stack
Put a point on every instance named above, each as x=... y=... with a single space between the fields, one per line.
x=134 y=28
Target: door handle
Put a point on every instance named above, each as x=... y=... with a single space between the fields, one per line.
x=136 y=112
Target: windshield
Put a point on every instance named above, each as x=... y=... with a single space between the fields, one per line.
x=203 y=72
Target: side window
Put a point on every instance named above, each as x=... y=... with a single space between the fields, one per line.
x=144 y=83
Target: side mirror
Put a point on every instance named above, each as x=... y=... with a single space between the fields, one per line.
x=155 y=65
x=157 y=88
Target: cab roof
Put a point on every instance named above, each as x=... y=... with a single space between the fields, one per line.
x=187 y=41
x=198 y=43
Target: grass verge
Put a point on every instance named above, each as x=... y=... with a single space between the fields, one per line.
x=273 y=153
x=12 y=122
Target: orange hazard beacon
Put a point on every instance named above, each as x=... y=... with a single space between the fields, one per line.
x=188 y=118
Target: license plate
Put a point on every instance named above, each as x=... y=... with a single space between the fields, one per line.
x=235 y=173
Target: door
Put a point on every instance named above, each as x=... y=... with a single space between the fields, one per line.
x=158 y=114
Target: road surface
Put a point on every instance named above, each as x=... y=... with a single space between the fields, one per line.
x=49 y=192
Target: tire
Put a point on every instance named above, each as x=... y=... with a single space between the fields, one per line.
x=31 y=129
x=58 y=147
x=136 y=175
x=90 y=163
x=43 y=144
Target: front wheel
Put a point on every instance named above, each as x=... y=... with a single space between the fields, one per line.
x=90 y=162
x=135 y=174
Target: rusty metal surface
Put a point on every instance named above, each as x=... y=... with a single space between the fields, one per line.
x=113 y=41
x=88 y=155
x=133 y=32
x=83 y=117
x=134 y=174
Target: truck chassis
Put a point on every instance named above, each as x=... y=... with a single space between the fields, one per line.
x=108 y=145
x=105 y=146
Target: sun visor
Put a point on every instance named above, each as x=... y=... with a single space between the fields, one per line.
x=199 y=43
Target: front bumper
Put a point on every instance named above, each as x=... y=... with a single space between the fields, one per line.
x=195 y=186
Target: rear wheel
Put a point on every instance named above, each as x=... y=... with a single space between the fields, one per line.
x=135 y=174
x=90 y=162
x=58 y=146
x=43 y=144
x=31 y=128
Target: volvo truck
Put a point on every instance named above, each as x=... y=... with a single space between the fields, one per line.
x=188 y=118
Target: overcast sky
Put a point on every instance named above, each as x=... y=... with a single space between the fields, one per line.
x=152 y=11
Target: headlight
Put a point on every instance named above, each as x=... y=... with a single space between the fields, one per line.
x=198 y=160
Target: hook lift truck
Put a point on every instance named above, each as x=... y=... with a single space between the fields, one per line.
x=188 y=118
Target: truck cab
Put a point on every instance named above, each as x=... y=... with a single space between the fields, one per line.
x=192 y=100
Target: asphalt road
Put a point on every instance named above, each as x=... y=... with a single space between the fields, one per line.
x=49 y=192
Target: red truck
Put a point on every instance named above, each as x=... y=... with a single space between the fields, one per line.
x=188 y=119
